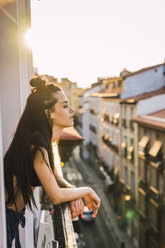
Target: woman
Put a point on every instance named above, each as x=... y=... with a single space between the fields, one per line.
x=28 y=162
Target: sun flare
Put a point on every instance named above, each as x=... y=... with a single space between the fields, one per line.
x=28 y=37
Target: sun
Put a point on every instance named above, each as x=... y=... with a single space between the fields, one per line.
x=28 y=37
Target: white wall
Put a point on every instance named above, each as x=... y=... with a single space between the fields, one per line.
x=15 y=71
x=151 y=105
x=86 y=118
x=2 y=197
x=143 y=82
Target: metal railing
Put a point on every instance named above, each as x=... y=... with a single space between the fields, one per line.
x=62 y=221
x=63 y=227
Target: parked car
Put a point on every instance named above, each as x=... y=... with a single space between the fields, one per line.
x=78 y=240
x=88 y=215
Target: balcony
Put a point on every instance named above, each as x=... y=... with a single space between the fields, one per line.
x=124 y=149
x=110 y=143
x=106 y=118
x=114 y=146
x=107 y=140
x=154 y=194
x=93 y=111
x=62 y=223
x=116 y=119
x=130 y=153
x=63 y=228
x=143 y=186
x=93 y=129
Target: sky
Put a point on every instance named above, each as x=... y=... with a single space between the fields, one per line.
x=86 y=39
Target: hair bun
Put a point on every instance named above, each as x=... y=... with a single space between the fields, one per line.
x=37 y=82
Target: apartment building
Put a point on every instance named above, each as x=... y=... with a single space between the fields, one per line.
x=90 y=115
x=110 y=128
x=151 y=188
x=130 y=108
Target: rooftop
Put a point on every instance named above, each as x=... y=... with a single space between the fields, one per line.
x=142 y=70
x=143 y=96
x=153 y=120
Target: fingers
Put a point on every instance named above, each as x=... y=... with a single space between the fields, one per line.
x=82 y=206
x=76 y=208
x=92 y=202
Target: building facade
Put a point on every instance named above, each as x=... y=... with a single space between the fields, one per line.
x=151 y=188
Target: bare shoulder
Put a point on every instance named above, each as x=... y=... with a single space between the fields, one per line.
x=41 y=158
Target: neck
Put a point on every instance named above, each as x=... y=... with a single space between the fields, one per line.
x=56 y=132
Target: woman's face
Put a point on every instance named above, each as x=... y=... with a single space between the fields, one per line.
x=62 y=115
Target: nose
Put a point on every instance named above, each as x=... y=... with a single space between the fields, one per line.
x=72 y=109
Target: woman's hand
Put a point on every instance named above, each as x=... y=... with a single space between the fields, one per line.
x=76 y=208
x=92 y=201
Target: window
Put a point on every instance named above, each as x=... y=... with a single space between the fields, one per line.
x=125 y=112
x=132 y=113
x=157 y=136
x=131 y=142
x=117 y=137
x=132 y=181
x=93 y=129
x=142 y=202
x=125 y=175
x=153 y=176
x=117 y=166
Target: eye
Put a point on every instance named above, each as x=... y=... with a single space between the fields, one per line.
x=65 y=106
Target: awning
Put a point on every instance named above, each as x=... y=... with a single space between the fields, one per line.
x=154 y=150
x=144 y=141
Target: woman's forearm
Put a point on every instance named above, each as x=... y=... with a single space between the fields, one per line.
x=70 y=194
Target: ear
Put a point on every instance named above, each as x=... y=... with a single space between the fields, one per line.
x=47 y=114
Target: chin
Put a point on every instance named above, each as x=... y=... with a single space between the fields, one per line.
x=69 y=125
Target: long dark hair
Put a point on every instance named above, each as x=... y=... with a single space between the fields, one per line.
x=33 y=133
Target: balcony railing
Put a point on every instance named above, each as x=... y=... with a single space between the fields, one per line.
x=124 y=149
x=130 y=153
x=106 y=118
x=63 y=228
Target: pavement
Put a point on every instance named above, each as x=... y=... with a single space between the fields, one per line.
x=121 y=239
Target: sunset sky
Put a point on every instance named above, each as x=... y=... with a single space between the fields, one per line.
x=85 y=39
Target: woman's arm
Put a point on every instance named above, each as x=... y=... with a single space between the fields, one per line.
x=62 y=182
x=59 y=195
x=77 y=206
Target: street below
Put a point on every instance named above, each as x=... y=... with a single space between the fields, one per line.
x=98 y=233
